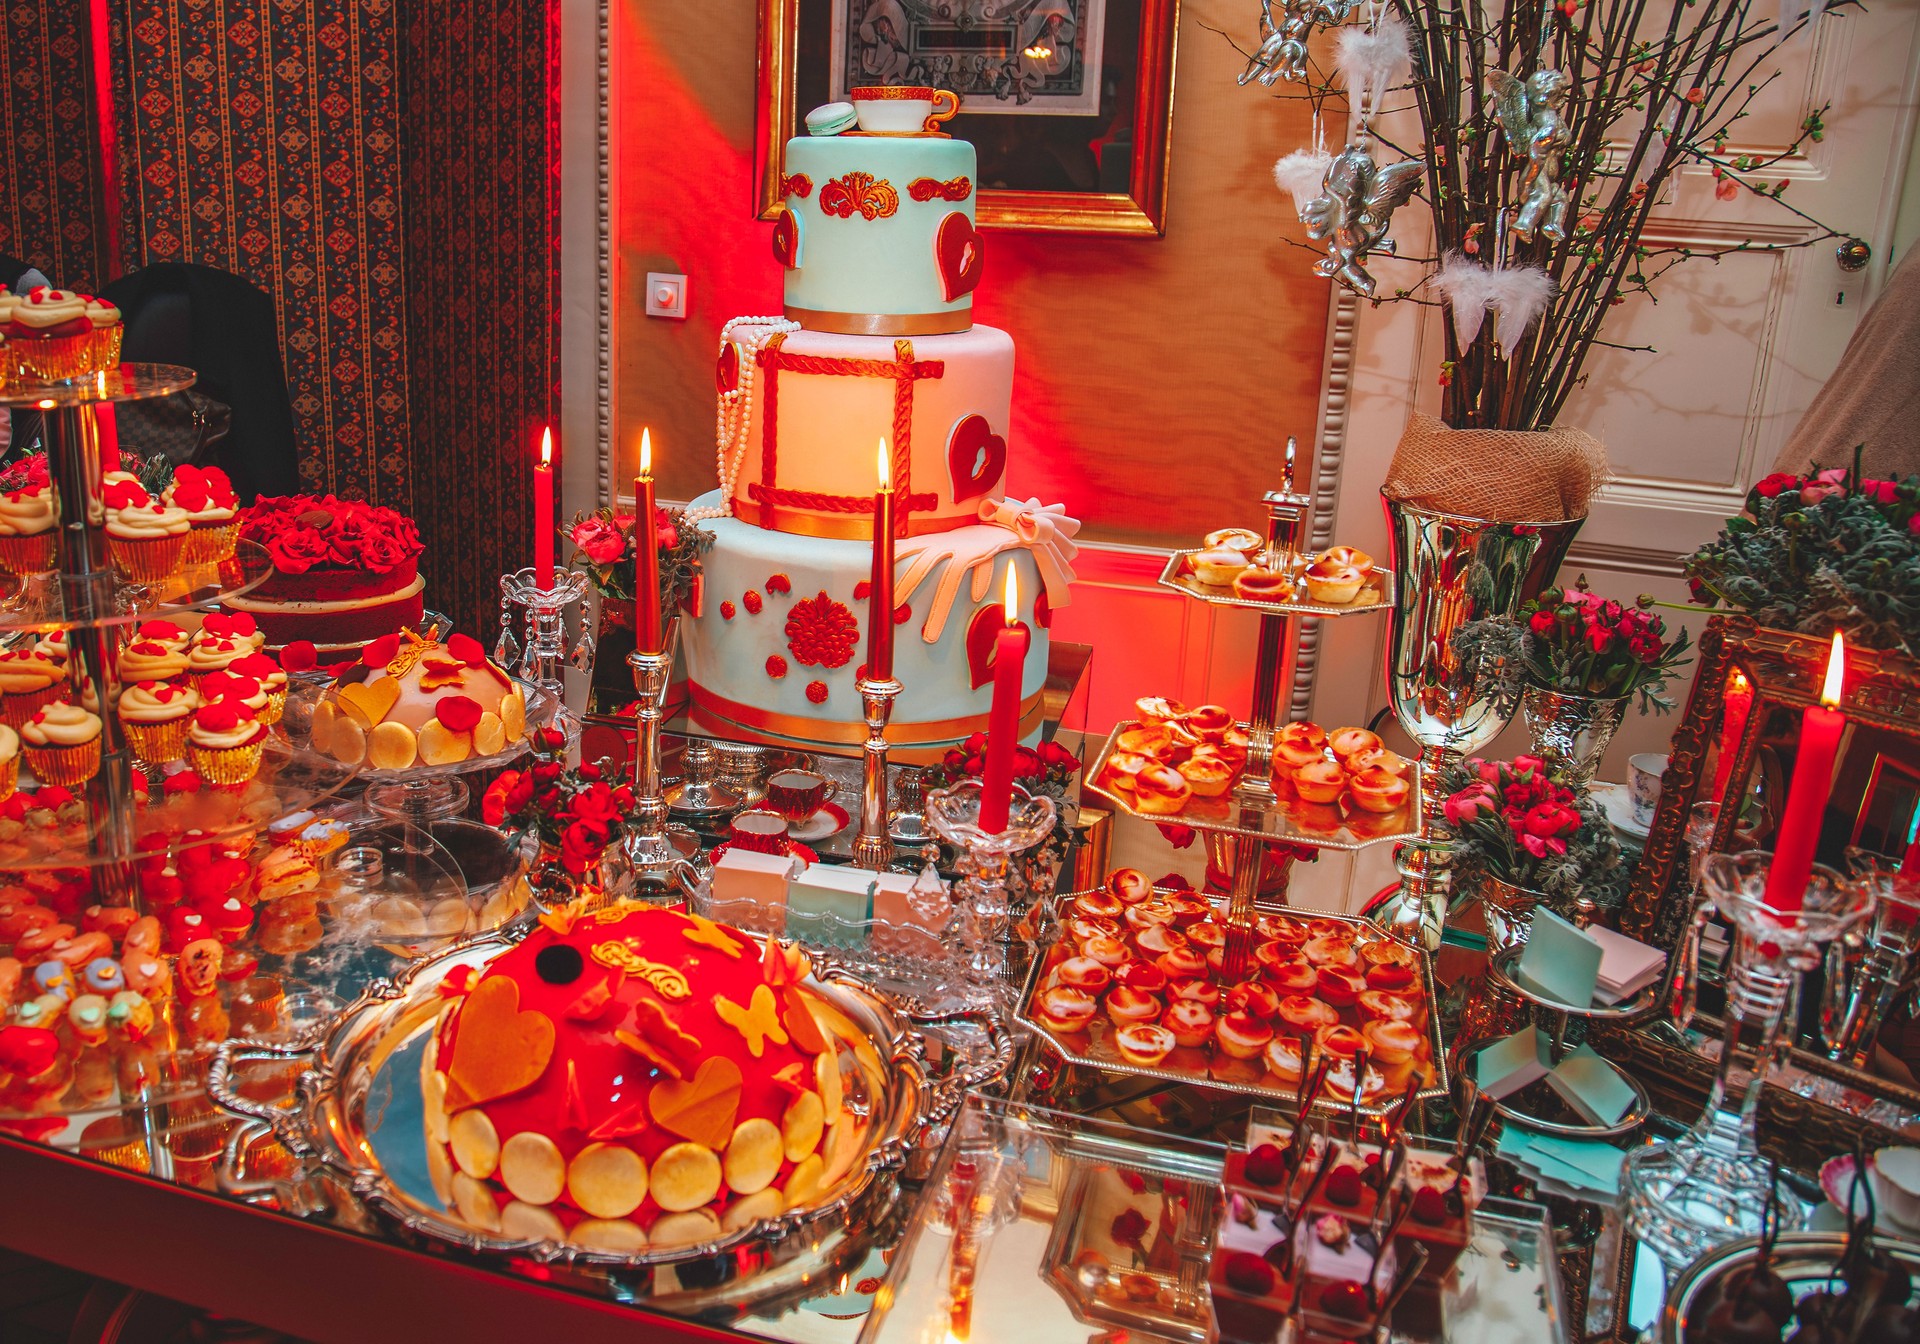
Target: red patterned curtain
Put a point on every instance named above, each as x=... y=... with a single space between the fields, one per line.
x=52 y=203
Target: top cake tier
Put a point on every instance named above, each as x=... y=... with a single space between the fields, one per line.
x=877 y=234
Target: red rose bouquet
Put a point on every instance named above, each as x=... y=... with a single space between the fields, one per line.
x=604 y=546
x=578 y=813
x=1511 y=822
x=1575 y=642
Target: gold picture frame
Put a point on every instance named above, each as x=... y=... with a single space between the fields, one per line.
x=1140 y=211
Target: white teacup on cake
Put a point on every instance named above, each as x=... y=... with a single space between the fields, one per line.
x=903 y=109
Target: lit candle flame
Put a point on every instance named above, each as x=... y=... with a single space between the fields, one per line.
x=1013 y=597
x=886 y=468
x=546 y=446
x=46 y=405
x=646 y=451
x=1836 y=673
x=1737 y=684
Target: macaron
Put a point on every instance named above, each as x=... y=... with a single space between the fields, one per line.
x=831 y=119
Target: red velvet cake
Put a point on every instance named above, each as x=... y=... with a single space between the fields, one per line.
x=345 y=572
x=634 y=1076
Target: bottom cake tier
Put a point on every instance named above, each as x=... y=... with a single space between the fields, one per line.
x=781 y=638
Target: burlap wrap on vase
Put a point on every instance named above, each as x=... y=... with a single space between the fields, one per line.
x=1517 y=475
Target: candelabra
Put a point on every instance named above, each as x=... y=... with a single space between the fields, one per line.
x=980 y=896
x=873 y=846
x=541 y=613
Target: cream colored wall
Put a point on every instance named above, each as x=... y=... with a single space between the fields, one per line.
x=1156 y=378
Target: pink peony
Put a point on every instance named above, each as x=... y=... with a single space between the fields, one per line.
x=599 y=540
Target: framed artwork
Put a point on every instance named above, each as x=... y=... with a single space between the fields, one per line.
x=1069 y=103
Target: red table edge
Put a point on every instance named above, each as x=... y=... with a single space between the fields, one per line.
x=306 y=1279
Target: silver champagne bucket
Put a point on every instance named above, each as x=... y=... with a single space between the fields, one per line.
x=1452 y=569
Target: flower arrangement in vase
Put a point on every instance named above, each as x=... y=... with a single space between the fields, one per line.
x=1831 y=550
x=605 y=547
x=1521 y=840
x=578 y=814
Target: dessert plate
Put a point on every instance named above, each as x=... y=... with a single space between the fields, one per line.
x=1615 y=801
x=830 y=820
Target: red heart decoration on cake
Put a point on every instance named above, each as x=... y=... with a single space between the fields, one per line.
x=958 y=252
x=975 y=457
x=983 y=631
x=726 y=372
x=786 y=240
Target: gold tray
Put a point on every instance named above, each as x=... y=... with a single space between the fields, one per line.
x=1376 y=594
x=1094 y=1047
x=1321 y=825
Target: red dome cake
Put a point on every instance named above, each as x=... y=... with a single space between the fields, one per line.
x=345 y=571
x=630 y=1077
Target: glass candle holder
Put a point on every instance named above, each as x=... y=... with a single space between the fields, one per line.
x=533 y=636
x=980 y=896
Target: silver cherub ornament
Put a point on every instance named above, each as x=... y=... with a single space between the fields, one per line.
x=1282 y=53
x=1529 y=114
x=1354 y=210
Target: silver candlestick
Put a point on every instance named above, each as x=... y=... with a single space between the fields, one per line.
x=648 y=846
x=873 y=846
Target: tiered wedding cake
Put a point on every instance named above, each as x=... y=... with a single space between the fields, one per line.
x=877 y=343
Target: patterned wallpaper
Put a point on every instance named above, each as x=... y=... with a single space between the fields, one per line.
x=52 y=206
x=262 y=136
x=481 y=187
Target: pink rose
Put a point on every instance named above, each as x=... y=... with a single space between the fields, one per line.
x=600 y=541
x=1832 y=481
x=1528 y=765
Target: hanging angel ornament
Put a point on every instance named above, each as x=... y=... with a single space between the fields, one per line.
x=1354 y=210
x=1529 y=114
x=1282 y=53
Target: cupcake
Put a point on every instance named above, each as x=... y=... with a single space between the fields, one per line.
x=145 y=538
x=156 y=716
x=49 y=335
x=54 y=648
x=150 y=660
x=212 y=509
x=239 y=690
x=27 y=536
x=224 y=743
x=214 y=654
x=271 y=679
x=9 y=762
x=104 y=319
x=165 y=633
x=27 y=681
x=62 y=744
x=234 y=625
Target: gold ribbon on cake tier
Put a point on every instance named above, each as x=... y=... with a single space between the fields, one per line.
x=852 y=733
x=882 y=324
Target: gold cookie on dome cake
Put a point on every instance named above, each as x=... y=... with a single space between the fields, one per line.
x=412 y=701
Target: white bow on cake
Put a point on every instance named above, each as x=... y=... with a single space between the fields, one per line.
x=1006 y=524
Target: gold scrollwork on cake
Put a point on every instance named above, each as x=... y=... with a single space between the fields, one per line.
x=953 y=189
x=874 y=197
x=619 y=955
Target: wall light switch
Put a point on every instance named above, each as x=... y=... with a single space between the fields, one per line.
x=666 y=295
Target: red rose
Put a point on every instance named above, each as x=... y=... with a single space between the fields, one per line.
x=1541 y=623
x=494 y=807
x=600 y=541
x=1129 y=1227
x=1599 y=638
x=1026 y=765
x=595 y=804
x=581 y=845
x=382 y=553
x=297 y=550
x=1777 y=484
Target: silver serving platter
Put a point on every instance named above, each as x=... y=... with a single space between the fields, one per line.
x=1376 y=594
x=1804 y=1259
x=356 y=1112
x=1094 y=1047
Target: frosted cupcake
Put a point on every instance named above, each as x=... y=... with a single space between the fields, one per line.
x=54 y=648
x=27 y=539
x=207 y=656
x=156 y=717
x=151 y=660
x=272 y=680
x=63 y=744
x=165 y=633
x=104 y=318
x=145 y=538
x=9 y=762
x=27 y=681
x=234 y=625
x=231 y=687
x=50 y=337
x=224 y=744
x=213 y=512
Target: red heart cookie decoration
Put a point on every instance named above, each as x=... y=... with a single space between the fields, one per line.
x=958 y=253
x=702 y=1107
x=983 y=632
x=975 y=457
x=786 y=239
x=500 y=1049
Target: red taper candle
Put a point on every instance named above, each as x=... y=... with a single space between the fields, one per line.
x=880 y=581
x=1735 y=707
x=646 y=546
x=1003 y=719
x=1799 y=834
x=543 y=521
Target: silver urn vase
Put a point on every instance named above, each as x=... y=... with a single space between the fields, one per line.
x=1571 y=732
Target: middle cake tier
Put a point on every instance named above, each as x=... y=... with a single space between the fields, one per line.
x=812 y=408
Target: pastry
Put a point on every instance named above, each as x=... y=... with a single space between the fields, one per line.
x=1181 y=963
x=1144 y=1043
x=1306 y=1015
x=1350 y=742
x=1127 y=1005
x=1395 y=1047
x=1194 y=989
x=1083 y=973
x=1331 y=950
x=1098 y=905
x=1248 y=543
x=1296 y=745
x=1241 y=1035
x=1210 y=722
x=1320 y=781
x=1124 y=769
x=1255 y=584
x=62 y=744
x=1064 y=1009
x=1379 y=790
x=1282 y=1057
x=1379 y=758
x=1159 y=709
x=1341 y=1041
x=1379 y=1006
x=1209 y=776
x=1159 y=939
x=408 y=700
x=1218 y=567
x=1255 y=998
x=1333 y=585
x=1143 y=976
x=1349 y=556
x=1191 y=1023
x=1160 y=791
x=1293 y=976
x=1337 y=987
x=1129 y=885
x=1147 y=739
x=145 y=538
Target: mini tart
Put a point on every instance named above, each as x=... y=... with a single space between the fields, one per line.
x=1182 y=963
x=1392 y=1041
x=1126 y=1006
x=1350 y=556
x=1194 y=989
x=1380 y=1006
x=62 y=744
x=1392 y=976
x=1161 y=792
x=1305 y=1013
x=1159 y=709
x=1298 y=744
x=1282 y=1057
x=155 y=717
x=1379 y=790
x=1341 y=1041
x=1083 y=972
x=1129 y=886
x=1208 y=936
x=1109 y=952
x=1084 y=929
x=1256 y=584
x=1331 y=949
x=1146 y=739
x=1191 y=1023
x=1211 y=722
x=1339 y=988
x=1208 y=776
x=1380 y=759
x=1217 y=567
x=1097 y=905
x=1241 y=1035
x=1144 y=1043
x=1320 y=781
x=1157 y=940
x=1149 y=914
x=1143 y=976
x=1281 y=929
x=1244 y=540
x=1350 y=742
x=1188 y=910
x=1064 y=1009
x=1333 y=585
x=1124 y=769
x=1254 y=997
x=1340 y=1083
x=1293 y=977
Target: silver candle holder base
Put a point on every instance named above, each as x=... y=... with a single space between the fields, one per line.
x=652 y=847
x=873 y=846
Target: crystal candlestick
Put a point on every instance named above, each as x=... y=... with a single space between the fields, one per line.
x=647 y=842
x=1862 y=987
x=1710 y=1186
x=873 y=846
x=533 y=637
x=980 y=897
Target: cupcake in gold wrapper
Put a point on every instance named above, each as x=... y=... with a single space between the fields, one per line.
x=63 y=744
x=28 y=680
x=212 y=509
x=9 y=762
x=148 y=659
x=27 y=537
x=49 y=336
x=225 y=743
x=240 y=690
x=272 y=682
x=104 y=318
x=156 y=717
x=145 y=538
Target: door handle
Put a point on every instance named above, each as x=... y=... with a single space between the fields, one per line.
x=1853 y=255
